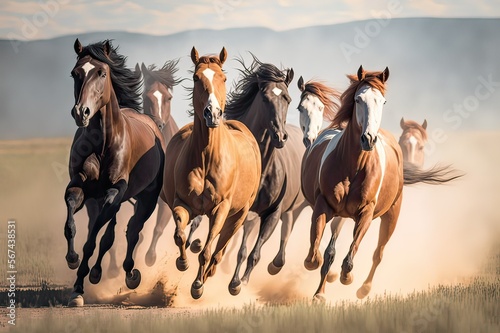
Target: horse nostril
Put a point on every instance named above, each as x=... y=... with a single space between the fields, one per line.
x=285 y=136
x=276 y=136
x=86 y=112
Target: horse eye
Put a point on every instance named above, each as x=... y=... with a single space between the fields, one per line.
x=358 y=100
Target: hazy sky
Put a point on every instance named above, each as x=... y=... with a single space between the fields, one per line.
x=39 y=19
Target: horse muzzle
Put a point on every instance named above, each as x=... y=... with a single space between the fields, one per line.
x=279 y=138
x=81 y=115
x=212 y=117
x=368 y=141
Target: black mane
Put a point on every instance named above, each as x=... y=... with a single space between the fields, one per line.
x=241 y=98
x=165 y=75
x=127 y=84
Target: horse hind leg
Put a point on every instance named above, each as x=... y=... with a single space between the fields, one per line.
x=106 y=242
x=164 y=215
x=249 y=224
x=322 y=213
x=194 y=246
x=387 y=225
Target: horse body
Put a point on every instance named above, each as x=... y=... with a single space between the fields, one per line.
x=260 y=101
x=117 y=154
x=212 y=167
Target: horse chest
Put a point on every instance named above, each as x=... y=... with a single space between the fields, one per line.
x=201 y=191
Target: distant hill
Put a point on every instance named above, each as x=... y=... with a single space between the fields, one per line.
x=434 y=64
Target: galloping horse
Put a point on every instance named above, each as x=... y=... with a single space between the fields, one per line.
x=157 y=97
x=260 y=101
x=212 y=167
x=412 y=141
x=117 y=154
x=360 y=176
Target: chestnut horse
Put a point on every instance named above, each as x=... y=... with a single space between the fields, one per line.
x=360 y=175
x=412 y=141
x=260 y=101
x=212 y=167
x=157 y=100
x=117 y=154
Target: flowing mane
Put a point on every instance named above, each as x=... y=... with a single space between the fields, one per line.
x=126 y=83
x=327 y=95
x=165 y=75
x=344 y=115
x=411 y=124
x=241 y=98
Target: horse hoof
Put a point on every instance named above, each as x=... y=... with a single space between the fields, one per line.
x=196 y=289
x=195 y=246
x=364 y=291
x=346 y=280
x=319 y=298
x=311 y=265
x=332 y=276
x=74 y=263
x=150 y=258
x=234 y=288
x=273 y=269
x=182 y=264
x=75 y=300
x=95 y=275
x=134 y=279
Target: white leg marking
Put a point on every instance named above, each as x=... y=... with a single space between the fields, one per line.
x=158 y=96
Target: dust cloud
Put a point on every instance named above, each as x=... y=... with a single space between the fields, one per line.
x=443 y=236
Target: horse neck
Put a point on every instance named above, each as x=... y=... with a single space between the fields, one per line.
x=112 y=124
x=350 y=147
x=205 y=139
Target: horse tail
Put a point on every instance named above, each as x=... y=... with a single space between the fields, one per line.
x=434 y=176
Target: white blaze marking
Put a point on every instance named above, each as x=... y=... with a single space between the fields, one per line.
x=87 y=67
x=277 y=91
x=379 y=147
x=209 y=74
x=158 y=96
x=314 y=118
x=413 y=143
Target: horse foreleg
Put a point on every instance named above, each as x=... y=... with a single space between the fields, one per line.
x=181 y=218
x=74 y=198
x=217 y=221
x=248 y=226
x=362 y=223
x=388 y=223
x=164 y=215
x=321 y=214
x=106 y=242
x=329 y=257
x=195 y=246
x=267 y=226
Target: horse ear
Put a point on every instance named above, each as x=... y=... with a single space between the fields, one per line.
x=223 y=55
x=424 y=124
x=289 y=76
x=300 y=83
x=107 y=48
x=384 y=75
x=137 y=68
x=194 y=56
x=361 y=73
x=402 y=123
x=144 y=69
x=78 y=47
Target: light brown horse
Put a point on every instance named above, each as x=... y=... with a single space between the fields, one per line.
x=157 y=99
x=212 y=168
x=412 y=141
x=359 y=175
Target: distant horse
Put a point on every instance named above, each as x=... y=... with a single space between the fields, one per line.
x=212 y=167
x=117 y=154
x=412 y=141
x=260 y=101
x=360 y=175
x=157 y=98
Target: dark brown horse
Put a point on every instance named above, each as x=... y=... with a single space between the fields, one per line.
x=117 y=154
x=212 y=167
x=260 y=101
x=360 y=175
x=412 y=141
x=157 y=99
